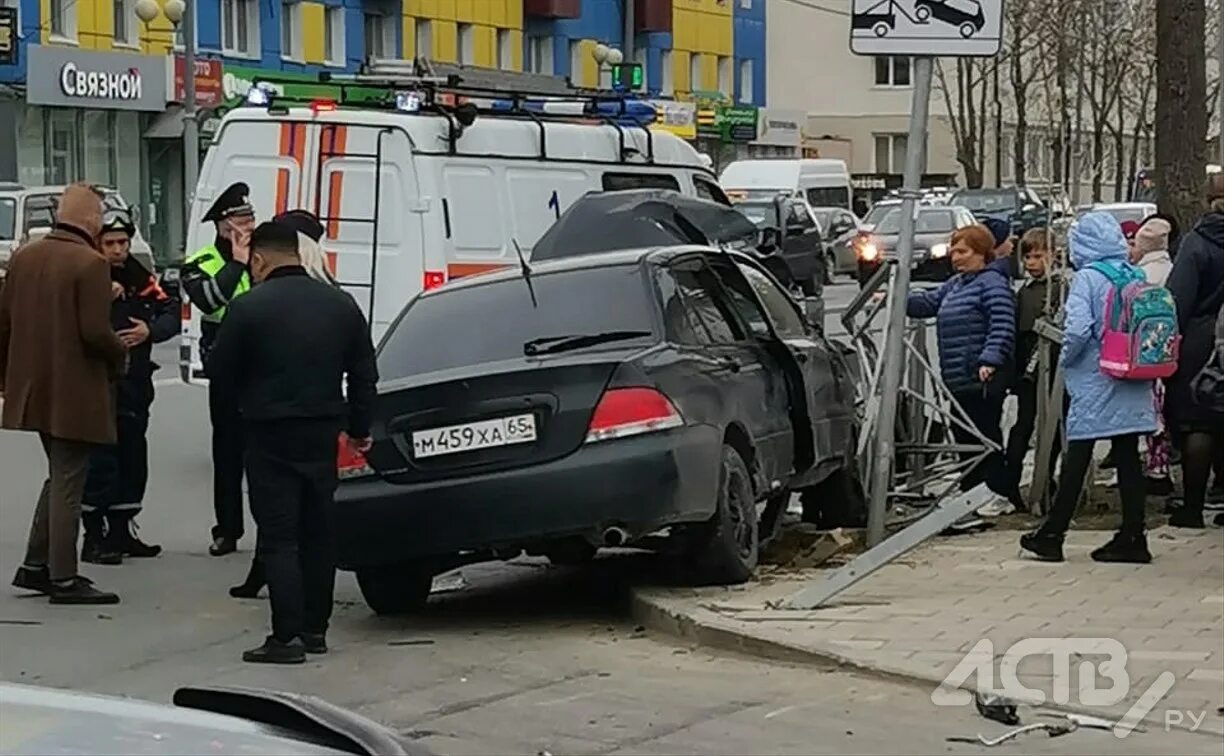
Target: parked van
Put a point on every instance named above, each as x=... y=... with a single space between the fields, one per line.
x=449 y=200
x=822 y=182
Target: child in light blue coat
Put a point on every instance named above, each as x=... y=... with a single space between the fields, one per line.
x=1102 y=407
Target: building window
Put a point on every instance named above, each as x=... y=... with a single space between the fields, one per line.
x=379 y=36
x=123 y=19
x=892 y=72
x=64 y=18
x=695 y=82
x=467 y=44
x=747 y=93
x=240 y=27
x=669 y=74
x=501 y=54
x=890 y=152
x=333 y=35
x=291 y=30
x=540 y=55
x=424 y=38
x=726 y=80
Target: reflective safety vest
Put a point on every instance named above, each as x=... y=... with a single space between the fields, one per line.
x=210 y=262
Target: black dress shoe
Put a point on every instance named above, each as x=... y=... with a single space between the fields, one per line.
x=276 y=652
x=1126 y=549
x=33 y=579
x=1046 y=548
x=80 y=591
x=315 y=643
x=1187 y=518
x=223 y=545
x=123 y=532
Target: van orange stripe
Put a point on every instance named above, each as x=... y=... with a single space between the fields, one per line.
x=331 y=262
x=299 y=155
x=282 y=175
x=339 y=141
x=459 y=270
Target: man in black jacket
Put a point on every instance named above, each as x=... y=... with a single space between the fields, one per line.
x=142 y=315
x=285 y=349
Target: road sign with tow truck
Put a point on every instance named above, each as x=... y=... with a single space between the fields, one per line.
x=932 y=28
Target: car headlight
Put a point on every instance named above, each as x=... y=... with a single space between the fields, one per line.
x=939 y=250
x=868 y=252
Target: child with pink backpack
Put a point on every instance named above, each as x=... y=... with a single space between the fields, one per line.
x=1119 y=334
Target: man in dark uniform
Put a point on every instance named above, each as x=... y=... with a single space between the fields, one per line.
x=142 y=315
x=285 y=350
x=212 y=278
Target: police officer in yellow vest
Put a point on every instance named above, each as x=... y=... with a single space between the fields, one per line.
x=211 y=278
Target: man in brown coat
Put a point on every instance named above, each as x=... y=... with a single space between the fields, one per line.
x=58 y=357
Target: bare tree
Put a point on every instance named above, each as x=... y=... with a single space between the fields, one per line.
x=1181 y=89
x=966 y=96
x=1024 y=66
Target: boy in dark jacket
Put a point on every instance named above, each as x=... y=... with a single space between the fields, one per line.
x=1041 y=289
x=142 y=315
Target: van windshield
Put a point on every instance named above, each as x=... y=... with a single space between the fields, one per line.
x=829 y=196
x=8 y=218
x=491 y=322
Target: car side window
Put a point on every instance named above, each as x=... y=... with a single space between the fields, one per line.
x=708 y=190
x=782 y=313
x=700 y=297
x=801 y=217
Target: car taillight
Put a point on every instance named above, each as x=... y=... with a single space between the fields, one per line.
x=433 y=279
x=625 y=412
x=350 y=464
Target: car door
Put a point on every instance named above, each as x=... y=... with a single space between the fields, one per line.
x=704 y=324
x=802 y=247
x=845 y=228
x=823 y=389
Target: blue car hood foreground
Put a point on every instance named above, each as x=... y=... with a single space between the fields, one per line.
x=35 y=720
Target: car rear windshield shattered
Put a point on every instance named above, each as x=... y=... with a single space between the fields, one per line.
x=491 y=322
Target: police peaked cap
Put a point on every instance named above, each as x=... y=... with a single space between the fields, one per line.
x=302 y=221
x=233 y=201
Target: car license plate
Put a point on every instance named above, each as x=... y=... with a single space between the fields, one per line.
x=486 y=434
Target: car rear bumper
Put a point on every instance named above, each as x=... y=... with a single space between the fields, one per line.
x=640 y=484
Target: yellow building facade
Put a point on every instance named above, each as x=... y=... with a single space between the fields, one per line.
x=487 y=33
x=702 y=40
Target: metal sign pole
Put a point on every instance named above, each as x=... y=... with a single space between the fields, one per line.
x=894 y=342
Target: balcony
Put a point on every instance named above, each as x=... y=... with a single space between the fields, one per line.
x=553 y=8
x=652 y=16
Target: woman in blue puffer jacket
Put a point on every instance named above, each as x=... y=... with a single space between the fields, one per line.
x=975 y=319
x=1102 y=407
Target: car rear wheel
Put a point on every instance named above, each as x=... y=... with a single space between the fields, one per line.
x=396 y=588
x=729 y=549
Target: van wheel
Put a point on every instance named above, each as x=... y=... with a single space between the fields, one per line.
x=728 y=548
x=395 y=588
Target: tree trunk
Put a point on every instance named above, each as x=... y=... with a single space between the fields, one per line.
x=1181 y=90
x=1119 y=136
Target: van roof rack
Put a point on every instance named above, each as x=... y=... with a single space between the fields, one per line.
x=422 y=90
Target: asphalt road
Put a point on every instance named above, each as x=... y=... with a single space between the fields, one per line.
x=521 y=658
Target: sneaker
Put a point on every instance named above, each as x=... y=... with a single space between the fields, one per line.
x=79 y=590
x=223 y=545
x=996 y=508
x=1124 y=549
x=1046 y=548
x=37 y=579
x=1162 y=486
x=276 y=652
x=315 y=643
x=1186 y=518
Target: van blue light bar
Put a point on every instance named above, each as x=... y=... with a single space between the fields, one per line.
x=622 y=112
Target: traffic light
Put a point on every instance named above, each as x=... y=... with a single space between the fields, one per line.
x=627 y=76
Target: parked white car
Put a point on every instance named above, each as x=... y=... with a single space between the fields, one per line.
x=28 y=212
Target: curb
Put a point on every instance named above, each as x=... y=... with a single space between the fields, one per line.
x=709 y=629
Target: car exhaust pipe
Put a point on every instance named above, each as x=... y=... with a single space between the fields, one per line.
x=615 y=536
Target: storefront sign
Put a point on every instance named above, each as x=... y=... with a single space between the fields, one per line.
x=74 y=78
x=208 y=82
x=8 y=36
x=780 y=128
x=679 y=118
x=236 y=81
x=738 y=123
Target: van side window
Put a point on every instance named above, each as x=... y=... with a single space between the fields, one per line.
x=708 y=190
x=615 y=182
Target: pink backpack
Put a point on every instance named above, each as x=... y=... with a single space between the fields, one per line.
x=1140 y=339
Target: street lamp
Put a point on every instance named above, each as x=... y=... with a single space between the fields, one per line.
x=177 y=12
x=606 y=56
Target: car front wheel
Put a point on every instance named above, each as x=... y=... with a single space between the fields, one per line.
x=396 y=588
x=729 y=549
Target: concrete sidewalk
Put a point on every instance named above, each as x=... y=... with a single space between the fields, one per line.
x=920 y=616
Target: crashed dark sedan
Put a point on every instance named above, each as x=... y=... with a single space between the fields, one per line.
x=644 y=397
x=933 y=225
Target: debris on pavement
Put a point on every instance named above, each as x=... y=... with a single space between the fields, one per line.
x=412 y=642
x=1053 y=730
x=20 y=623
x=803 y=546
x=996 y=708
x=449 y=583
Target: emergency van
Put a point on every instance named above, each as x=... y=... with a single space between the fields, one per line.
x=413 y=193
